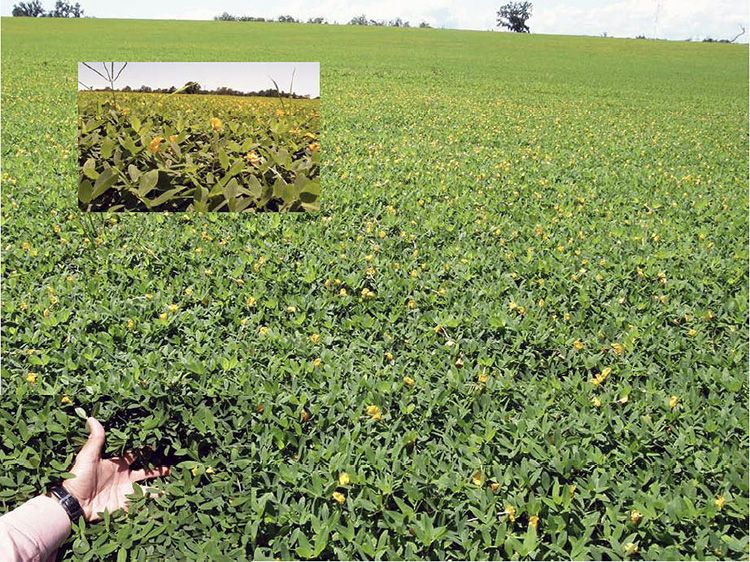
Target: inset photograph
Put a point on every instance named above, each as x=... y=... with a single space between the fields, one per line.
x=206 y=137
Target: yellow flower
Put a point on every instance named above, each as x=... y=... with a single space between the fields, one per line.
x=66 y=400
x=623 y=400
x=243 y=321
x=596 y=402
x=673 y=402
x=635 y=516
x=173 y=138
x=149 y=296
x=495 y=486
x=541 y=303
x=692 y=332
x=250 y=301
x=154 y=144
x=374 y=413
x=709 y=315
x=573 y=489
x=389 y=356
x=344 y=479
x=317 y=362
x=163 y=316
x=339 y=497
x=381 y=234
x=342 y=292
x=291 y=309
x=189 y=291
x=618 y=348
x=578 y=345
x=720 y=502
x=194 y=470
x=409 y=381
x=253 y=157
x=172 y=308
x=305 y=415
x=210 y=470
x=31 y=378
x=314 y=146
x=631 y=548
x=438 y=329
x=412 y=304
x=315 y=338
x=131 y=324
x=263 y=330
x=367 y=293
x=534 y=521
x=482 y=378
x=459 y=362
x=511 y=511
x=476 y=479
x=216 y=124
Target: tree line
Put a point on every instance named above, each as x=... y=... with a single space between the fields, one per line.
x=34 y=9
x=195 y=89
x=359 y=20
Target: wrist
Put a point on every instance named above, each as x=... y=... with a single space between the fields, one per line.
x=68 y=501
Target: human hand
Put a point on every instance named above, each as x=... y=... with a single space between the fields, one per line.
x=103 y=483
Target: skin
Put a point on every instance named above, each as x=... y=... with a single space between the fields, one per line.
x=104 y=483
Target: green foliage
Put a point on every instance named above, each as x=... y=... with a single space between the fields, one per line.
x=456 y=204
x=210 y=153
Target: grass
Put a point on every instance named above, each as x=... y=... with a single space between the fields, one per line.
x=546 y=235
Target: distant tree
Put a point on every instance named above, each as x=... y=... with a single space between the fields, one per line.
x=191 y=88
x=317 y=20
x=424 y=25
x=145 y=89
x=226 y=16
x=127 y=89
x=64 y=9
x=28 y=9
x=287 y=19
x=359 y=20
x=514 y=16
x=398 y=22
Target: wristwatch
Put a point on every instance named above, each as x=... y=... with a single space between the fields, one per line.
x=68 y=502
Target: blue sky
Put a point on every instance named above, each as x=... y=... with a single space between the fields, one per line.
x=668 y=19
x=242 y=76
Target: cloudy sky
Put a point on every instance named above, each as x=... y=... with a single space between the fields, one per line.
x=242 y=76
x=668 y=19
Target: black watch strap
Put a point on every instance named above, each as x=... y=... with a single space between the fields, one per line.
x=68 y=502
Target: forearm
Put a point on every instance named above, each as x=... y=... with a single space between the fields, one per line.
x=34 y=531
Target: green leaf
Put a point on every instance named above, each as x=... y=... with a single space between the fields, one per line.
x=106 y=148
x=84 y=191
x=106 y=179
x=89 y=169
x=148 y=182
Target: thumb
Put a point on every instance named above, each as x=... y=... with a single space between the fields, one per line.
x=93 y=447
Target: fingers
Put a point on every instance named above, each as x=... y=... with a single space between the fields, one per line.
x=129 y=457
x=138 y=475
x=93 y=447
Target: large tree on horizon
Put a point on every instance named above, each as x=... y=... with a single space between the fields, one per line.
x=514 y=16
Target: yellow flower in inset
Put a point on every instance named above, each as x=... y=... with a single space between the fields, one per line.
x=172 y=308
x=618 y=348
x=412 y=304
x=216 y=124
x=692 y=332
x=534 y=521
x=317 y=362
x=388 y=356
x=314 y=146
x=596 y=402
x=339 y=497
x=409 y=381
x=66 y=400
x=263 y=330
x=148 y=296
x=482 y=378
x=305 y=415
x=189 y=291
x=253 y=157
x=291 y=309
x=342 y=292
x=578 y=345
x=315 y=338
x=476 y=479
x=153 y=146
x=635 y=516
x=194 y=470
x=163 y=316
x=511 y=512
x=31 y=378
x=374 y=413
x=344 y=479
x=720 y=502
x=250 y=301
x=46 y=312
x=381 y=234
x=673 y=402
x=131 y=324
x=438 y=329
x=495 y=486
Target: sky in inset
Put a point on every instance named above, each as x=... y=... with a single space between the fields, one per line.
x=242 y=76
